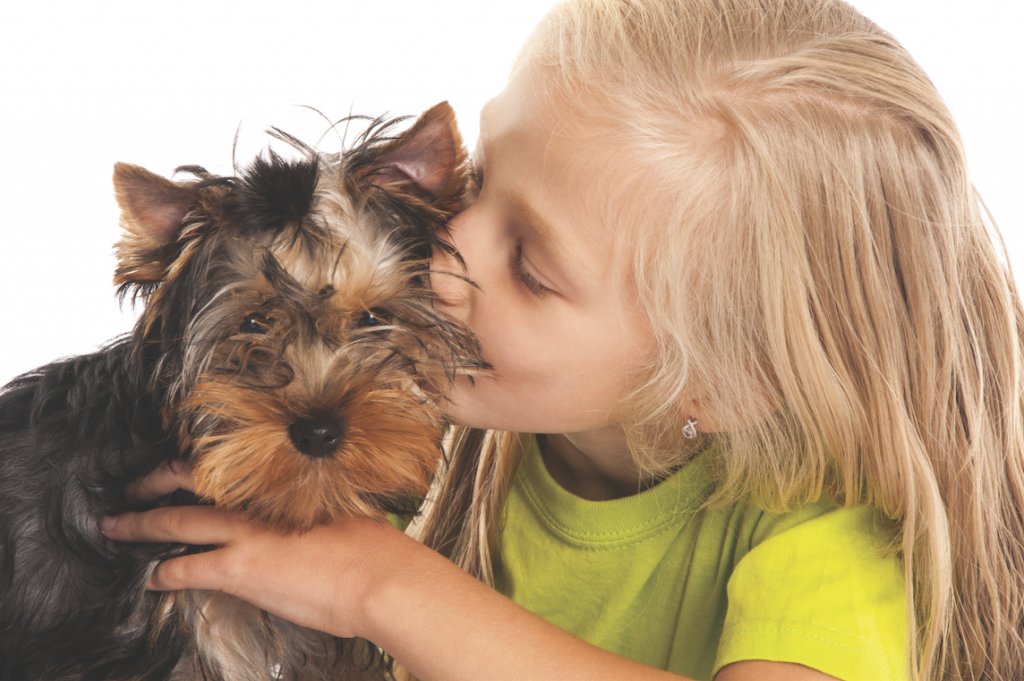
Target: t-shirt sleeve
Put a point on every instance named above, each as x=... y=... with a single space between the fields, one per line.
x=825 y=594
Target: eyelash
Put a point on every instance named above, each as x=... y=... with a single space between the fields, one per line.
x=519 y=270
x=523 y=276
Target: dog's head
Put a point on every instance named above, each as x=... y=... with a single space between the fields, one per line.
x=289 y=325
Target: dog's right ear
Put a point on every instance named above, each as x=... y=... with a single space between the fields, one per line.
x=152 y=210
x=426 y=162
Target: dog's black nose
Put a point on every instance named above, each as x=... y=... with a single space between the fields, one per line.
x=317 y=437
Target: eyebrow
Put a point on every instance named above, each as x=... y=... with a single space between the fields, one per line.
x=537 y=224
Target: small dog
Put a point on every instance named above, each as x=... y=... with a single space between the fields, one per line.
x=289 y=353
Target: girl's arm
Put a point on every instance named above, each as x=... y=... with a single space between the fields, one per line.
x=362 y=577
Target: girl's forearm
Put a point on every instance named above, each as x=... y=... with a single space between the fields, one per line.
x=440 y=623
x=362 y=577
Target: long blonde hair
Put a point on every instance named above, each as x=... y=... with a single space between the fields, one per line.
x=826 y=278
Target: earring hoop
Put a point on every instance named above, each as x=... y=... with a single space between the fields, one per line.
x=690 y=429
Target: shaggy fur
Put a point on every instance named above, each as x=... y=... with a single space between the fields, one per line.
x=289 y=352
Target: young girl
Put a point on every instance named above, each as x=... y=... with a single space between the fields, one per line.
x=732 y=272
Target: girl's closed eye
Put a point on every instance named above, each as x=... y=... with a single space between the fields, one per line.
x=523 y=275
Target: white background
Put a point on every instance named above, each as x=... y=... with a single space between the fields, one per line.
x=86 y=84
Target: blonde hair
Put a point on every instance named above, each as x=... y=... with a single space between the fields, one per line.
x=824 y=278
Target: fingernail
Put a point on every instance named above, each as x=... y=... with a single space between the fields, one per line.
x=107 y=523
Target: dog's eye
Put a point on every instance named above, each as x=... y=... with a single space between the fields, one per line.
x=373 y=317
x=254 y=323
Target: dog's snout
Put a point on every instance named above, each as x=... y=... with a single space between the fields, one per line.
x=317 y=437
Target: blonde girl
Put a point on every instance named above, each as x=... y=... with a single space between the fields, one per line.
x=730 y=264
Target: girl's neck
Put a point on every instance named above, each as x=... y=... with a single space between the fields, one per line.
x=594 y=465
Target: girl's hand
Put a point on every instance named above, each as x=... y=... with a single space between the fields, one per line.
x=317 y=579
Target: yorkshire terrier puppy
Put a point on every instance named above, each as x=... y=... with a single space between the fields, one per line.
x=289 y=353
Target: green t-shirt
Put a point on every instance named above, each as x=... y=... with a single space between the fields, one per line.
x=653 y=578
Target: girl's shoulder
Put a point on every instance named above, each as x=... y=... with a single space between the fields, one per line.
x=823 y=586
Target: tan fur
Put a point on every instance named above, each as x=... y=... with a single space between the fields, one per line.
x=236 y=640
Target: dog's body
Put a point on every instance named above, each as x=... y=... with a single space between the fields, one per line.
x=289 y=352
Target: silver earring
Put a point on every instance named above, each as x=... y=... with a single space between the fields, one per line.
x=690 y=429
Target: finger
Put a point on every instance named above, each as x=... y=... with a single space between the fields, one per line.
x=194 y=571
x=195 y=525
x=161 y=482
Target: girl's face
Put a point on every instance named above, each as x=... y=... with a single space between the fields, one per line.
x=553 y=310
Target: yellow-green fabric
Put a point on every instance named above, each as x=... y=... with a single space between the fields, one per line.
x=655 y=579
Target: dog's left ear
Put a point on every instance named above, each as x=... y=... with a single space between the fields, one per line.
x=427 y=162
x=152 y=210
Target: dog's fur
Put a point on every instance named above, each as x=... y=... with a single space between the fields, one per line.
x=289 y=352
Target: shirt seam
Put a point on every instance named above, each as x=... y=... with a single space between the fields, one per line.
x=654 y=526
x=871 y=648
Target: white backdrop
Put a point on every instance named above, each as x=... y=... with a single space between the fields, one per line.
x=86 y=84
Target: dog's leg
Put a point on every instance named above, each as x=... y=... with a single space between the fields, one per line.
x=236 y=641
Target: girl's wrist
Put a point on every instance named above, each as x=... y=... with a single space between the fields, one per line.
x=389 y=566
x=406 y=605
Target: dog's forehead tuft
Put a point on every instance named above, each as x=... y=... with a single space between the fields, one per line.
x=353 y=261
x=273 y=193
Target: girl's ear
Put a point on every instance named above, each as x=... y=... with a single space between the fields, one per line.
x=152 y=210
x=427 y=162
x=697 y=417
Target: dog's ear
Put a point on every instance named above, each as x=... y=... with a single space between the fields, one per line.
x=152 y=210
x=151 y=206
x=427 y=162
